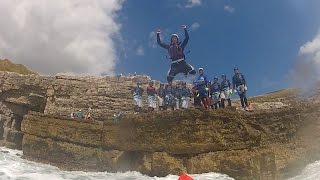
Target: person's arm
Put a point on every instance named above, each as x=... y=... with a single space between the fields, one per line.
x=206 y=83
x=234 y=82
x=166 y=46
x=244 y=80
x=229 y=83
x=186 y=39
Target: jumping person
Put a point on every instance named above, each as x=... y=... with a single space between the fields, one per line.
x=176 y=53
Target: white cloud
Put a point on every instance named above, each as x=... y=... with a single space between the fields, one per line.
x=60 y=36
x=311 y=47
x=193 y=3
x=229 y=9
x=306 y=73
x=195 y=26
x=140 y=51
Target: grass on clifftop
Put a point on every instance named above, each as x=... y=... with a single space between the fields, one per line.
x=6 y=65
x=281 y=95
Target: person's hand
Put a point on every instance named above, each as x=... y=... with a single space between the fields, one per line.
x=158 y=31
x=184 y=26
x=235 y=91
x=231 y=91
x=207 y=89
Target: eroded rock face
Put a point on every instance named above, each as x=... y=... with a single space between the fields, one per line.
x=60 y=96
x=105 y=95
x=266 y=144
x=158 y=144
x=18 y=95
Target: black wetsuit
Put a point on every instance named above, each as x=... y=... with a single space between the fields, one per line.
x=176 y=53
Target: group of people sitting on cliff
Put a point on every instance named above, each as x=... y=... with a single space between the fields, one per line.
x=204 y=93
x=82 y=115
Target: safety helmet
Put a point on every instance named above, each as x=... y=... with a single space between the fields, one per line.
x=139 y=83
x=223 y=75
x=235 y=68
x=161 y=84
x=151 y=82
x=175 y=35
x=200 y=69
x=215 y=78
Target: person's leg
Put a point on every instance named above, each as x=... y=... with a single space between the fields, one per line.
x=229 y=102
x=223 y=103
x=242 y=100
x=173 y=71
x=205 y=102
x=177 y=104
x=186 y=68
x=215 y=105
x=245 y=99
x=219 y=104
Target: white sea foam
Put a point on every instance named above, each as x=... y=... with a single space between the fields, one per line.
x=14 y=168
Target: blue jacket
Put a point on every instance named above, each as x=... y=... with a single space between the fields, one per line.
x=201 y=84
x=237 y=80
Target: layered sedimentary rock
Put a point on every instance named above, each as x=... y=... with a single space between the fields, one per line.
x=60 y=95
x=273 y=142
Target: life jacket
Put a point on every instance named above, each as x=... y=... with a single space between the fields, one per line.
x=175 y=51
x=178 y=93
x=170 y=90
x=239 y=79
x=161 y=92
x=186 y=92
x=225 y=84
x=137 y=91
x=215 y=88
x=151 y=91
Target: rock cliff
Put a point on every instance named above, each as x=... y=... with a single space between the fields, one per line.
x=273 y=142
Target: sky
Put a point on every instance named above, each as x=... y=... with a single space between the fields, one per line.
x=275 y=44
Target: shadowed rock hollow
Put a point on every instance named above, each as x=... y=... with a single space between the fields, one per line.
x=271 y=143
